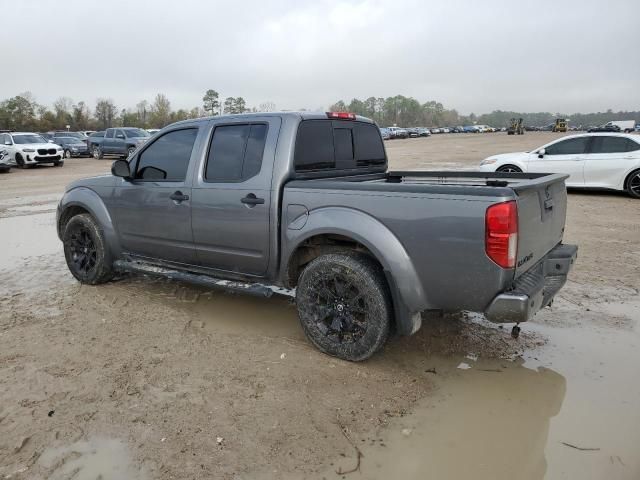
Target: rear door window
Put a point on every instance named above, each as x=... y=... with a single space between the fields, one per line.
x=314 y=146
x=609 y=144
x=571 y=146
x=632 y=146
x=236 y=152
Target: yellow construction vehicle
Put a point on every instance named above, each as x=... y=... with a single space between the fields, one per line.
x=560 y=126
x=515 y=127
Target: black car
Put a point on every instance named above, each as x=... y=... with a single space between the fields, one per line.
x=73 y=146
x=605 y=128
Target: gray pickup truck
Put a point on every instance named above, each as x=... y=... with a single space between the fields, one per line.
x=304 y=204
x=117 y=141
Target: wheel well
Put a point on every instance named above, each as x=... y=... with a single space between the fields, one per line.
x=68 y=214
x=625 y=185
x=316 y=246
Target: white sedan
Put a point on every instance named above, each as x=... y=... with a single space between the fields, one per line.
x=594 y=160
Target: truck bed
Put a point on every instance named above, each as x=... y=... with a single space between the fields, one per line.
x=439 y=217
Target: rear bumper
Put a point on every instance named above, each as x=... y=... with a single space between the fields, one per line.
x=535 y=288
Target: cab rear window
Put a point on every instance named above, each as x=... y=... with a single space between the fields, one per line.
x=326 y=145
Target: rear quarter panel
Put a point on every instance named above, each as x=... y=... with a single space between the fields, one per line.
x=443 y=235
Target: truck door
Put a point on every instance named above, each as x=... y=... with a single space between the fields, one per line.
x=232 y=196
x=152 y=212
x=566 y=156
x=107 y=143
x=119 y=142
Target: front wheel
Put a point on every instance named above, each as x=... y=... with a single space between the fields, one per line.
x=633 y=184
x=509 y=169
x=344 y=305
x=130 y=151
x=97 y=152
x=86 y=251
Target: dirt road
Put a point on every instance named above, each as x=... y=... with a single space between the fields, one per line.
x=146 y=379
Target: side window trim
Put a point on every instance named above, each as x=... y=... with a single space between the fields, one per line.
x=136 y=159
x=244 y=152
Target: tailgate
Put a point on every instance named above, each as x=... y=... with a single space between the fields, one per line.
x=542 y=209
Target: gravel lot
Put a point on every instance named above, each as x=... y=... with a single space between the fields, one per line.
x=145 y=379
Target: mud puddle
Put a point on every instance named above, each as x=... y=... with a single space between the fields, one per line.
x=95 y=458
x=568 y=409
x=27 y=236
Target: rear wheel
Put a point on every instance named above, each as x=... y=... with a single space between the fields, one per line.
x=344 y=305
x=509 y=169
x=67 y=154
x=633 y=184
x=86 y=251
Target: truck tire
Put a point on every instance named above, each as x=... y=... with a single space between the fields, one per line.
x=344 y=305
x=86 y=251
x=97 y=152
x=633 y=184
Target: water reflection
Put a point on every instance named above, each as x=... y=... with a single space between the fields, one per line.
x=488 y=422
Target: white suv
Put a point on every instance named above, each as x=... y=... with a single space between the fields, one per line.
x=24 y=149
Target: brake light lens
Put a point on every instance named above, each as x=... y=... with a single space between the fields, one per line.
x=501 y=240
x=342 y=115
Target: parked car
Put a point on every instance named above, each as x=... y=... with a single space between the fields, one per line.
x=397 y=132
x=597 y=160
x=86 y=133
x=435 y=131
x=153 y=131
x=304 y=201
x=73 y=146
x=423 y=132
x=626 y=126
x=26 y=149
x=609 y=127
x=63 y=133
x=117 y=141
x=444 y=130
x=384 y=132
x=413 y=132
x=471 y=129
x=47 y=136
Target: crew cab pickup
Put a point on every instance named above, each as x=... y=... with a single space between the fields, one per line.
x=117 y=141
x=304 y=204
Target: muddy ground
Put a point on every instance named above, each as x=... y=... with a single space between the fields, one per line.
x=146 y=379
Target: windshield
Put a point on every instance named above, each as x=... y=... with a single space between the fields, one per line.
x=71 y=134
x=69 y=140
x=31 y=138
x=135 y=132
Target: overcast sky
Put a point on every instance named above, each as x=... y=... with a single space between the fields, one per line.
x=475 y=56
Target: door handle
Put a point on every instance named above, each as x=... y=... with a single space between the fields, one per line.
x=178 y=197
x=252 y=200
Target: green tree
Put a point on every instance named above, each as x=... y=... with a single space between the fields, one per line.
x=339 y=106
x=239 y=106
x=105 y=112
x=229 y=105
x=160 y=111
x=210 y=102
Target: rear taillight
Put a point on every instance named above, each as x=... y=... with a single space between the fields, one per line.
x=342 y=115
x=501 y=240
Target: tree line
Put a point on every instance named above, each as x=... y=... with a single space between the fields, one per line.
x=23 y=112
x=409 y=112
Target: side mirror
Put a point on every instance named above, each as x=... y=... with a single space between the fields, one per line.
x=120 y=168
x=541 y=153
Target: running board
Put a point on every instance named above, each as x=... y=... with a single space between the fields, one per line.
x=255 y=289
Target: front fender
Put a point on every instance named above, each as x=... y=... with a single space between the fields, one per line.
x=87 y=199
x=381 y=242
